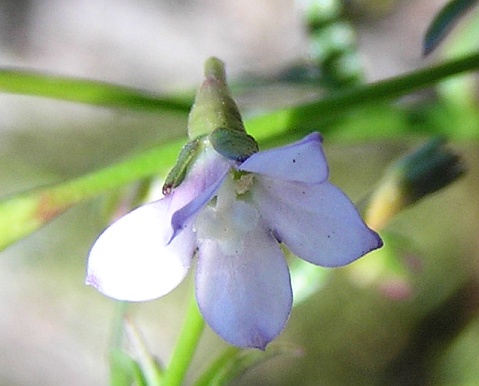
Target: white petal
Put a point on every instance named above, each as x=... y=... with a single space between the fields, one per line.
x=245 y=297
x=317 y=222
x=227 y=220
x=302 y=161
x=131 y=261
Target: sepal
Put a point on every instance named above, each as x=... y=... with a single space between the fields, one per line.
x=232 y=144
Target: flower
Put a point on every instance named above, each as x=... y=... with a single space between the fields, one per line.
x=233 y=215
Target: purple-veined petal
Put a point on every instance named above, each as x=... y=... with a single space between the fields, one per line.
x=131 y=259
x=245 y=297
x=302 y=161
x=200 y=185
x=317 y=222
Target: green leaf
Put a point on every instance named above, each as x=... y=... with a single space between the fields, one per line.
x=85 y=91
x=443 y=23
x=234 y=362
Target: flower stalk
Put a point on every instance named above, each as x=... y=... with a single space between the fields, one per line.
x=186 y=346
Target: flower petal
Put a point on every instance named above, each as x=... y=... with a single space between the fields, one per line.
x=317 y=222
x=302 y=161
x=131 y=261
x=200 y=185
x=245 y=297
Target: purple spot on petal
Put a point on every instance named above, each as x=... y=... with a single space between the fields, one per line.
x=276 y=236
x=92 y=280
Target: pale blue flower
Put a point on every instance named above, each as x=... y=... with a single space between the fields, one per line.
x=233 y=216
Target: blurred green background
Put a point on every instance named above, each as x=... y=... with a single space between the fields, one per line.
x=406 y=315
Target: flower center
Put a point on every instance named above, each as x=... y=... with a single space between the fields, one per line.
x=228 y=220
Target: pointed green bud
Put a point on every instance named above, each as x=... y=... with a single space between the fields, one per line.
x=425 y=171
x=177 y=174
x=215 y=117
x=214 y=107
x=216 y=114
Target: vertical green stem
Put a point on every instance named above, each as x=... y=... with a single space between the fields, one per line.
x=185 y=348
x=117 y=325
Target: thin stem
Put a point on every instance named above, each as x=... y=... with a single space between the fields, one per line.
x=23 y=214
x=117 y=325
x=185 y=348
x=310 y=115
x=93 y=92
x=150 y=369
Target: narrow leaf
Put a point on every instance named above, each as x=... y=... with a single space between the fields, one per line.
x=443 y=22
x=85 y=91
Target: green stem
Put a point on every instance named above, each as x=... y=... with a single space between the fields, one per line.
x=310 y=115
x=117 y=325
x=26 y=82
x=120 y=364
x=185 y=348
x=23 y=214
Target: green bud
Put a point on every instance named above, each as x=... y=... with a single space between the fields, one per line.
x=216 y=114
x=425 y=171
x=215 y=117
x=214 y=107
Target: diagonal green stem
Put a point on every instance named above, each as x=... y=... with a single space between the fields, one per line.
x=185 y=348
x=309 y=116
x=21 y=215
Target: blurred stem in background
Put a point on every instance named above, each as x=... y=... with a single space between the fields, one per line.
x=333 y=60
x=24 y=213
